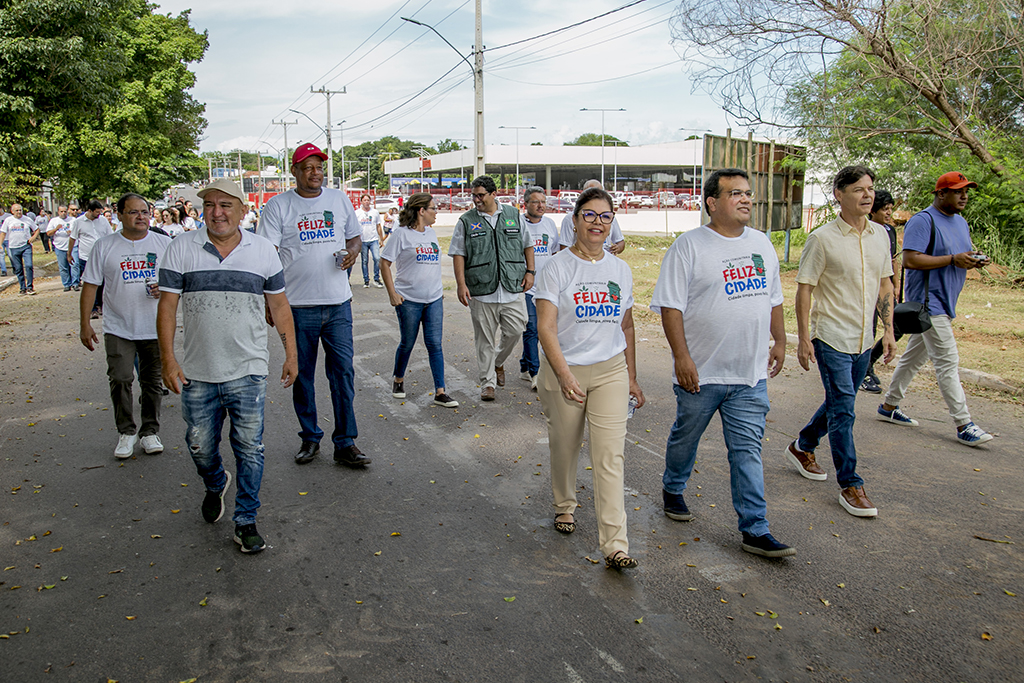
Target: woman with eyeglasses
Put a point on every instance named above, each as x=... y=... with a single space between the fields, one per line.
x=171 y=224
x=584 y=301
x=415 y=291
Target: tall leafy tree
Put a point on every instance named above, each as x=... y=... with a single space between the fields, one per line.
x=593 y=140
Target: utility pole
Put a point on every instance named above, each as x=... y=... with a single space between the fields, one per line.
x=478 y=91
x=419 y=151
x=341 y=130
x=327 y=130
x=241 y=176
x=390 y=156
x=368 y=159
x=602 y=137
x=284 y=156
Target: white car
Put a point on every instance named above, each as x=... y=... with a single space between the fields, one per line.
x=622 y=199
x=385 y=204
x=569 y=195
x=646 y=202
x=666 y=198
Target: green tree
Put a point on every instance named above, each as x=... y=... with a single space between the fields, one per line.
x=94 y=94
x=594 y=140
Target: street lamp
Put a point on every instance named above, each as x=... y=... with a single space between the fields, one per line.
x=693 y=178
x=615 y=173
x=419 y=151
x=602 y=136
x=341 y=131
x=478 y=84
x=517 y=129
x=368 y=159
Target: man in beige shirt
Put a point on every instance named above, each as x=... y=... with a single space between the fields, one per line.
x=845 y=268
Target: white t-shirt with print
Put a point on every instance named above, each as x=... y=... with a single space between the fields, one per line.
x=545 y=244
x=591 y=299
x=725 y=288
x=122 y=265
x=17 y=230
x=86 y=232
x=307 y=233
x=61 y=229
x=369 y=220
x=417 y=259
x=567 y=237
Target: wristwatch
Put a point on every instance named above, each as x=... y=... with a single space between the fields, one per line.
x=531 y=272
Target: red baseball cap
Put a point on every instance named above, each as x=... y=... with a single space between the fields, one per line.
x=954 y=180
x=305 y=151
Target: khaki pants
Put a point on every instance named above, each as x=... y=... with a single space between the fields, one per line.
x=606 y=385
x=497 y=329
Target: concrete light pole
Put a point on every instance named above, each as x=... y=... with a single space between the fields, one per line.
x=284 y=157
x=517 y=129
x=327 y=130
x=602 y=136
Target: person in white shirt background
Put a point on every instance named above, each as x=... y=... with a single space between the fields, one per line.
x=545 y=245
x=59 y=232
x=373 y=235
x=20 y=232
x=85 y=231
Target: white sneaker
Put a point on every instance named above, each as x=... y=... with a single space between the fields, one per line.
x=125 y=446
x=366 y=285
x=378 y=285
x=151 y=444
x=533 y=383
x=524 y=375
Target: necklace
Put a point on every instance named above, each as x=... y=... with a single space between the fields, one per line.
x=582 y=255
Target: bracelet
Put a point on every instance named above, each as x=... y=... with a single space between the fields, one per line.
x=952 y=257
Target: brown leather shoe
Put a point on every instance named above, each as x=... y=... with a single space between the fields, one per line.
x=856 y=502
x=500 y=371
x=487 y=394
x=804 y=463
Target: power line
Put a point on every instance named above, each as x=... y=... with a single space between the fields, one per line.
x=603 y=80
x=566 y=28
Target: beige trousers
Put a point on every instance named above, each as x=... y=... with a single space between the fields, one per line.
x=606 y=386
x=497 y=329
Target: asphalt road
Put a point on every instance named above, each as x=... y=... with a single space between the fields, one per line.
x=407 y=571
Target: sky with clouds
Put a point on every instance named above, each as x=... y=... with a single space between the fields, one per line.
x=264 y=56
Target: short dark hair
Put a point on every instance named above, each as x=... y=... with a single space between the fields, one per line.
x=590 y=194
x=94 y=205
x=882 y=199
x=486 y=182
x=712 y=186
x=365 y=194
x=124 y=200
x=848 y=175
x=411 y=208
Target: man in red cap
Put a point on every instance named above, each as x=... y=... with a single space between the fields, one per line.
x=318 y=236
x=941 y=266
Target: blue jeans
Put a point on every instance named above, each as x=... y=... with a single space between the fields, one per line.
x=530 y=362
x=65 y=269
x=3 y=263
x=371 y=249
x=410 y=315
x=204 y=407
x=743 y=410
x=841 y=374
x=21 y=261
x=76 y=268
x=331 y=326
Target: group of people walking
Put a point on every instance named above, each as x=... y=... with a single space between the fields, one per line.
x=563 y=292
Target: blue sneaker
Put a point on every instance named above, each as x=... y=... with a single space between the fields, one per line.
x=896 y=416
x=675 y=506
x=972 y=435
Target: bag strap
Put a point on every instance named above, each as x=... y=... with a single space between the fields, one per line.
x=927 y=273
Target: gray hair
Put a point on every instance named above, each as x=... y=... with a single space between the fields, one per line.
x=532 y=190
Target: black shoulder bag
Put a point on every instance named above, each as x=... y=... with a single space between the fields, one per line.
x=911 y=317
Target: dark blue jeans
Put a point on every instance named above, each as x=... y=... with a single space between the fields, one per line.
x=204 y=407
x=332 y=327
x=65 y=269
x=530 y=362
x=371 y=249
x=21 y=261
x=410 y=315
x=841 y=375
x=743 y=410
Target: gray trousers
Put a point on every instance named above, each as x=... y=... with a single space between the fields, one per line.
x=497 y=329
x=121 y=372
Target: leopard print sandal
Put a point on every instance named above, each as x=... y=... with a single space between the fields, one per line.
x=620 y=560
x=565 y=527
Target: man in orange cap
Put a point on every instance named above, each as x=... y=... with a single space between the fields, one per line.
x=942 y=269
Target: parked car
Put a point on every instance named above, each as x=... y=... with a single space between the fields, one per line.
x=442 y=201
x=634 y=200
x=666 y=198
x=384 y=204
x=560 y=204
x=570 y=195
x=646 y=201
x=462 y=201
x=692 y=203
x=510 y=200
x=624 y=199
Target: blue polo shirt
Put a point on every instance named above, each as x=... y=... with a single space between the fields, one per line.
x=952 y=236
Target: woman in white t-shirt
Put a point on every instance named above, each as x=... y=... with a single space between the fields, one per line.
x=415 y=291
x=584 y=301
x=171 y=225
x=390 y=222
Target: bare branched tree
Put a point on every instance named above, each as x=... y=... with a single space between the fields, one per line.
x=955 y=70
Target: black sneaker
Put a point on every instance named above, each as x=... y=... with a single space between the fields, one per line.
x=248 y=539
x=213 y=504
x=351 y=456
x=871 y=384
x=398 y=388
x=675 y=506
x=307 y=452
x=766 y=546
x=445 y=401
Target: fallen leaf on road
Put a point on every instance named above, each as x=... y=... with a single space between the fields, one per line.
x=841 y=585
x=377 y=553
x=591 y=560
x=130 y=618
x=302 y=493
x=174 y=512
x=1012 y=595
x=8 y=568
x=511 y=599
x=115 y=571
x=778 y=627
x=155 y=536
x=760 y=614
x=993 y=540
x=588 y=467
x=47 y=533
x=691 y=565
x=723 y=600
x=57 y=550
x=639 y=621
x=986 y=636
x=691 y=589
x=202 y=603
x=825 y=602
x=396 y=533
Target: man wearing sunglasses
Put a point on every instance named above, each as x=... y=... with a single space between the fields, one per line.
x=614 y=244
x=493 y=259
